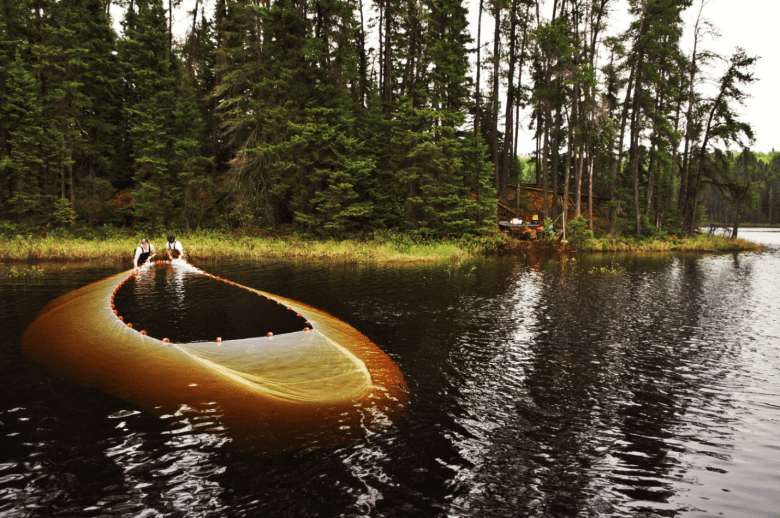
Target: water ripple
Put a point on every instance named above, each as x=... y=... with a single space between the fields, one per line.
x=536 y=389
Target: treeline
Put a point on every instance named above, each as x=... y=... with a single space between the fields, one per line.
x=283 y=113
x=744 y=187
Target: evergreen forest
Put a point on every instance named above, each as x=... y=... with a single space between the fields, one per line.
x=340 y=118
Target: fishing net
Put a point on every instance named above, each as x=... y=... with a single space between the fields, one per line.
x=326 y=375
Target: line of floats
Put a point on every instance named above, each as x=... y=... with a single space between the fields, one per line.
x=197 y=271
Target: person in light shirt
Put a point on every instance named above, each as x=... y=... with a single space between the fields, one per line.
x=174 y=248
x=144 y=252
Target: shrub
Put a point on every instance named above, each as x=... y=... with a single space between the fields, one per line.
x=577 y=230
x=650 y=231
x=64 y=215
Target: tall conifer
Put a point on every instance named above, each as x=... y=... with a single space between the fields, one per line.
x=21 y=167
x=151 y=112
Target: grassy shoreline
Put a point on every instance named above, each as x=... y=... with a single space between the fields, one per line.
x=383 y=248
x=217 y=247
x=700 y=243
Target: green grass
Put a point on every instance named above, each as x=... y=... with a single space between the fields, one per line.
x=700 y=243
x=217 y=246
x=118 y=246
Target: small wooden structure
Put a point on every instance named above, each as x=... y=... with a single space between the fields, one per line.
x=713 y=228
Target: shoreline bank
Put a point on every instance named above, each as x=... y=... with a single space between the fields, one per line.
x=607 y=244
x=213 y=247
x=390 y=248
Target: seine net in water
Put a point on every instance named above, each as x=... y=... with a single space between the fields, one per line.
x=322 y=385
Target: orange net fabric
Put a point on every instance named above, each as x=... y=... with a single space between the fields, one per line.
x=324 y=384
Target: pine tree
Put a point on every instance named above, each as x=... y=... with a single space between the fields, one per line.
x=21 y=167
x=89 y=81
x=455 y=163
x=152 y=113
x=722 y=122
x=654 y=34
x=13 y=40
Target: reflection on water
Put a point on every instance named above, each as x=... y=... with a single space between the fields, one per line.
x=178 y=304
x=537 y=387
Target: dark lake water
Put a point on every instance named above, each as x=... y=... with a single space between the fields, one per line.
x=538 y=386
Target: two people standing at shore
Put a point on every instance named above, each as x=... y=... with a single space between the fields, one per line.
x=145 y=251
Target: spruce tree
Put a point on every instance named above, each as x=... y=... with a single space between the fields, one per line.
x=87 y=80
x=188 y=163
x=21 y=167
x=291 y=91
x=151 y=114
x=13 y=40
x=455 y=163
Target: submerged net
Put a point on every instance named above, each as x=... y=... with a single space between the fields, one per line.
x=326 y=379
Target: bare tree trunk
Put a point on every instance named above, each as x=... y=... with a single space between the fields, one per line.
x=567 y=175
x=545 y=161
x=682 y=199
x=580 y=157
x=387 y=65
x=555 y=160
x=479 y=68
x=381 y=49
x=635 y=123
x=477 y=108
x=538 y=169
x=170 y=31
x=387 y=94
x=363 y=61
x=70 y=174
x=650 y=181
x=509 y=111
x=494 y=96
x=617 y=181
x=195 y=15
x=591 y=164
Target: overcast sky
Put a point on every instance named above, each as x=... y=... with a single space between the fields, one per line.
x=751 y=24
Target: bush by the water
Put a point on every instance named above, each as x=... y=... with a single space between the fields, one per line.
x=577 y=230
